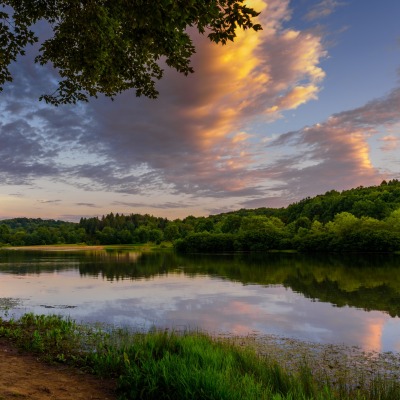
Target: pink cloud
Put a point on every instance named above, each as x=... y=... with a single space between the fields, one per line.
x=336 y=153
x=390 y=143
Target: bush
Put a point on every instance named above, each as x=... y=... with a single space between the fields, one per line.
x=206 y=242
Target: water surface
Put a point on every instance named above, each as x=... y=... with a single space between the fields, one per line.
x=350 y=299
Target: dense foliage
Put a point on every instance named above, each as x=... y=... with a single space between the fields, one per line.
x=29 y=231
x=108 y=46
x=361 y=219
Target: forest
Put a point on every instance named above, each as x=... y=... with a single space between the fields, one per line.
x=362 y=219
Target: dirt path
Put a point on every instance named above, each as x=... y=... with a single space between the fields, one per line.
x=22 y=376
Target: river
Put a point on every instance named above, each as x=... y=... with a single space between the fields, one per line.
x=350 y=299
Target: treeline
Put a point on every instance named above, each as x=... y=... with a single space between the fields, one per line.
x=258 y=233
x=360 y=219
x=29 y=231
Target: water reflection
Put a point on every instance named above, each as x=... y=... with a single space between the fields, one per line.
x=351 y=299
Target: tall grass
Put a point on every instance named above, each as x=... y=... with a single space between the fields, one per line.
x=166 y=365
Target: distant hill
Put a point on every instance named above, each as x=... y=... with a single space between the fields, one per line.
x=373 y=201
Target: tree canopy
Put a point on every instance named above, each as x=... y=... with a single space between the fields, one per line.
x=109 y=46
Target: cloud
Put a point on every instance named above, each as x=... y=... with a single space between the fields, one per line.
x=16 y=194
x=86 y=205
x=322 y=9
x=49 y=201
x=166 y=205
x=193 y=140
x=390 y=143
x=33 y=135
x=334 y=153
x=22 y=154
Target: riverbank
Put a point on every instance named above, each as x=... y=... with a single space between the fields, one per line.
x=225 y=367
x=23 y=375
x=85 y=247
x=55 y=247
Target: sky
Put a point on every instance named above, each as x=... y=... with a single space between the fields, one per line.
x=309 y=104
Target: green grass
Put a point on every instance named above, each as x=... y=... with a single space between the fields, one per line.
x=167 y=365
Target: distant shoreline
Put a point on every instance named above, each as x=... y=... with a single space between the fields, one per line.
x=86 y=247
x=52 y=247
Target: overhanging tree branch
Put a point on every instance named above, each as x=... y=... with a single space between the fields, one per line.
x=109 y=46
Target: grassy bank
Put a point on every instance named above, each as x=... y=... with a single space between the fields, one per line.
x=167 y=365
x=84 y=247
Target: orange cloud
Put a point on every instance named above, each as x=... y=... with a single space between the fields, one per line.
x=260 y=70
x=297 y=96
x=240 y=137
x=351 y=146
x=261 y=73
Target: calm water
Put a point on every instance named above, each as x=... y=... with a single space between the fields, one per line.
x=329 y=299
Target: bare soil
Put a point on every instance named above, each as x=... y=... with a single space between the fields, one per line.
x=22 y=376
